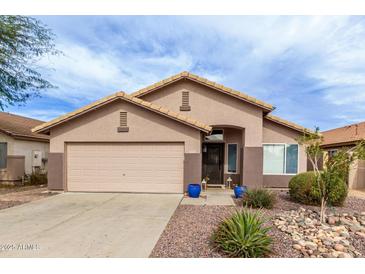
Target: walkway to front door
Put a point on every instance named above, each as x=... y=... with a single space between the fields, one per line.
x=213 y=196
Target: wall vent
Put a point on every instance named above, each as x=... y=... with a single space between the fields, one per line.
x=185 y=101
x=123 y=127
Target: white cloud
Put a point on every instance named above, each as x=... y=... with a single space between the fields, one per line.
x=306 y=66
x=43 y=115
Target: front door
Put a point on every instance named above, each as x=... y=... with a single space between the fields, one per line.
x=213 y=156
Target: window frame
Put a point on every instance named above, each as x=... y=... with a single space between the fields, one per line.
x=230 y=172
x=220 y=140
x=6 y=156
x=285 y=145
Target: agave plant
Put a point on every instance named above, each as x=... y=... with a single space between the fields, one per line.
x=243 y=235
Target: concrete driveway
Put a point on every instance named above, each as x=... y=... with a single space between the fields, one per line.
x=86 y=225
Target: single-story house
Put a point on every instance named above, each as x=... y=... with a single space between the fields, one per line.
x=21 y=150
x=345 y=138
x=172 y=133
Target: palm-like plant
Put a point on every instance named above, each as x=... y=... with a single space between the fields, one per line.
x=243 y=235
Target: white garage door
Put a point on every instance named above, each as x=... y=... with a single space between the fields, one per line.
x=125 y=167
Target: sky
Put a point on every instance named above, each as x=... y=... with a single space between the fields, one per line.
x=312 y=69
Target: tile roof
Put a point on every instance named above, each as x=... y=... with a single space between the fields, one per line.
x=206 y=82
x=20 y=127
x=344 y=135
x=286 y=123
x=121 y=95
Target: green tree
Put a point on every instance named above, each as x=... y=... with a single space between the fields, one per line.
x=23 y=42
x=335 y=167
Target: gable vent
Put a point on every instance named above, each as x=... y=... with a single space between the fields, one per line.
x=123 y=122
x=185 y=101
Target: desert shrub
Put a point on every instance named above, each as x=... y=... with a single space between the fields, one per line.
x=303 y=188
x=243 y=235
x=259 y=198
x=37 y=178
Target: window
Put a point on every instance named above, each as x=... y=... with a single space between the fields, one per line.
x=123 y=127
x=185 y=101
x=291 y=160
x=280 y=158
x=216 y=135
x=331 y=153
x=232 y=158
x=3 y=155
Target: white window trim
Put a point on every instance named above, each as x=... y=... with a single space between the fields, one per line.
x=229 y=172
x=285 y=144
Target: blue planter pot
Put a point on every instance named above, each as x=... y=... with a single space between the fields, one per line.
x=194 y=190
x=239 y=191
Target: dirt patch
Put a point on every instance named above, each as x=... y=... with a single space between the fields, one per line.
x=189 y=231
x=14 y=196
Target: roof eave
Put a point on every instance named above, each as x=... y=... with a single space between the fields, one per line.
x=298 y=129
x=45 y=129
x=340 y=144
x=31 y=138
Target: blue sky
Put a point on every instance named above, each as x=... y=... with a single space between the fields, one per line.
x=312 y=69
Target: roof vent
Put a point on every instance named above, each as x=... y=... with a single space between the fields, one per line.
x=185 y=101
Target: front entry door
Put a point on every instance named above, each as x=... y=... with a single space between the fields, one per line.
x=213 y=156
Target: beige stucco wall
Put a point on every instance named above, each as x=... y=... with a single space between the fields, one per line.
x=24 y=148
x=144 y=126
x=218 y=110
x=213 y=108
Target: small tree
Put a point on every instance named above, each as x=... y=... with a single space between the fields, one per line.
x=333 y=168
x=23 y=42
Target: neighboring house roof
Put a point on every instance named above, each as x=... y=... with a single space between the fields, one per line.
x=346 y=135
x=188 y=75
x=286 y=123
x=20 y=127
x=123 y=96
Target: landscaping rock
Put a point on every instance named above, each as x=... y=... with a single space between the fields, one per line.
x=339 y=247
x=361 y=234
x=313 y=239
x=310 y=245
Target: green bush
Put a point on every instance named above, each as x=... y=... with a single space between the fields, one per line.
x=37 y=178
x=259 y=198
x=303 y=188
x=243 y=235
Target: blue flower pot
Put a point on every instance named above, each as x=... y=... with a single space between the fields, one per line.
x=239 y=191
x=194 y=190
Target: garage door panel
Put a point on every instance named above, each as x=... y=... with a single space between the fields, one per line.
x=140 y=188
x=112 y=164
x=125 y=167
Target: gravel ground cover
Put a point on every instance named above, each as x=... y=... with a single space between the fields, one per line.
x=14 y=196
x=189 y=231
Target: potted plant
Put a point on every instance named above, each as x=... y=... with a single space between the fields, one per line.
x=194 y=190
x=239 y=191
